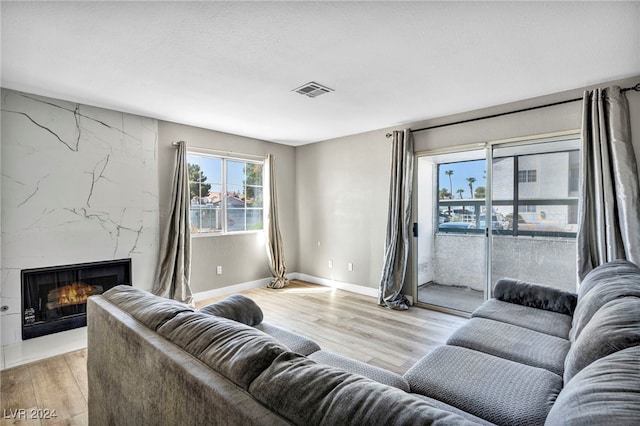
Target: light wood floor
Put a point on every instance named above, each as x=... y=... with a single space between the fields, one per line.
x=346 y=323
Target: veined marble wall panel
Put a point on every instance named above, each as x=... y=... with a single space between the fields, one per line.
x=79 y=184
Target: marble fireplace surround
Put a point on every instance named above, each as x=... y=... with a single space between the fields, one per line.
x=79 y=184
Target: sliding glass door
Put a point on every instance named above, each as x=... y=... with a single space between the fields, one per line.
x=535 y=189
x=506 y=210
x=451 y=240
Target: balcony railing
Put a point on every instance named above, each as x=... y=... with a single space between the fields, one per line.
x=548 y=217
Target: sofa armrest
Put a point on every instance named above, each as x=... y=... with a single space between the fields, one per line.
x=535 y=296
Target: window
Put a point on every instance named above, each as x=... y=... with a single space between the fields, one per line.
x=525 y=176
x=533 y=191
x=544 y=203
x=461 y=196
x=226 y=194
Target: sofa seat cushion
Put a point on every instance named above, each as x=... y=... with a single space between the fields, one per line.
x=446 y=407
x=307 y=393
x=238 y=308
x=149 y=309
x=614 y=327
x=614 y=280
x=495 y=389
x=547 y=322
x=513 y=343
x=237 y=351
x=605 y=392
x=293 y=341
x=378 y=374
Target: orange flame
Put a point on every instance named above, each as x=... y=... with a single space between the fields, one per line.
x=71 y=294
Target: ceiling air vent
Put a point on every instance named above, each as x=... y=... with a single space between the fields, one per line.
x=312 y=89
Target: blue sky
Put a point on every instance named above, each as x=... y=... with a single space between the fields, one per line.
x=211 y=167
x=461 y=171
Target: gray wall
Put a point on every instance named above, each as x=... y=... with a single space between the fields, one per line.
x=333 y=194
x=242 y=256
x=342 y=184
x=342 y=202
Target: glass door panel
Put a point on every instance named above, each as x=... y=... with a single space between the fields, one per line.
x=451 y=241
x=535 y=190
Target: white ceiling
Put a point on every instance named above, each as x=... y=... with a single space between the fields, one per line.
x=231 y=66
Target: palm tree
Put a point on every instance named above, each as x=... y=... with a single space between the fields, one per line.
x=460 y=191
x=444 y=194
x=471 y=180
x=449 y=173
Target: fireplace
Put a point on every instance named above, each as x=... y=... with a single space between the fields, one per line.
x=55 y=298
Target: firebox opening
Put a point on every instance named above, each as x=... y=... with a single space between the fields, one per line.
x=55 y=298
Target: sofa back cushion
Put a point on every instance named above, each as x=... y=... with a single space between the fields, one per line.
x=238 y=308
x=608 y=270
x=605 y=392
x=307 y=393
x=149 y=309
x=237 y=351
x=535 y=296
x=614 y=327
x=611 y=281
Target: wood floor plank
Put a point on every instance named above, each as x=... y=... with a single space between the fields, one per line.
x=77 y=362
x=79 y=420
x=17 y=397
x=56 y=389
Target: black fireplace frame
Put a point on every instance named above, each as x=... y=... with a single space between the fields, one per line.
x=30 y=331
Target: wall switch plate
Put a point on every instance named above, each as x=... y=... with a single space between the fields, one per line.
x=219 y=270
x=350 y=266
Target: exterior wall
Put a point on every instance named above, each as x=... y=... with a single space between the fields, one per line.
x=79 y=184
x=459 y=260
x=243 y=256
x=543 y=260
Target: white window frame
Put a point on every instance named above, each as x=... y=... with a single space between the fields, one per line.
x=224 y=190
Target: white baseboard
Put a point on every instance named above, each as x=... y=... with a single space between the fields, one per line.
x=236 y=288
x=353 y=288
x=232 y=289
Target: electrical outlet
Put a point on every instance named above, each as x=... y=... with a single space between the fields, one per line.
x=219 y=270
x=350 y=266
x=330 y=264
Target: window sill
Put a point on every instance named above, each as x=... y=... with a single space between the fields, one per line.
x=224 y=234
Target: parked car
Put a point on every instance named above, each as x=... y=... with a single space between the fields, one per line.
x=509 y=218
x=495 y=222
x=456 y=225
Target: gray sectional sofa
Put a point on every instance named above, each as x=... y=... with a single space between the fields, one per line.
x=532 y=355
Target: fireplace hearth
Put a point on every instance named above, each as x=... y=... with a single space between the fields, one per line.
x=54 y=299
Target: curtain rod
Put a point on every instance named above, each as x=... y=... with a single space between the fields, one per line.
x=388 y=135
x=225 y=153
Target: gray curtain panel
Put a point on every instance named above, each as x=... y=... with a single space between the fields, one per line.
x=275 y=246
x=174 y=265
x=608 y=207
x=396 y=248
